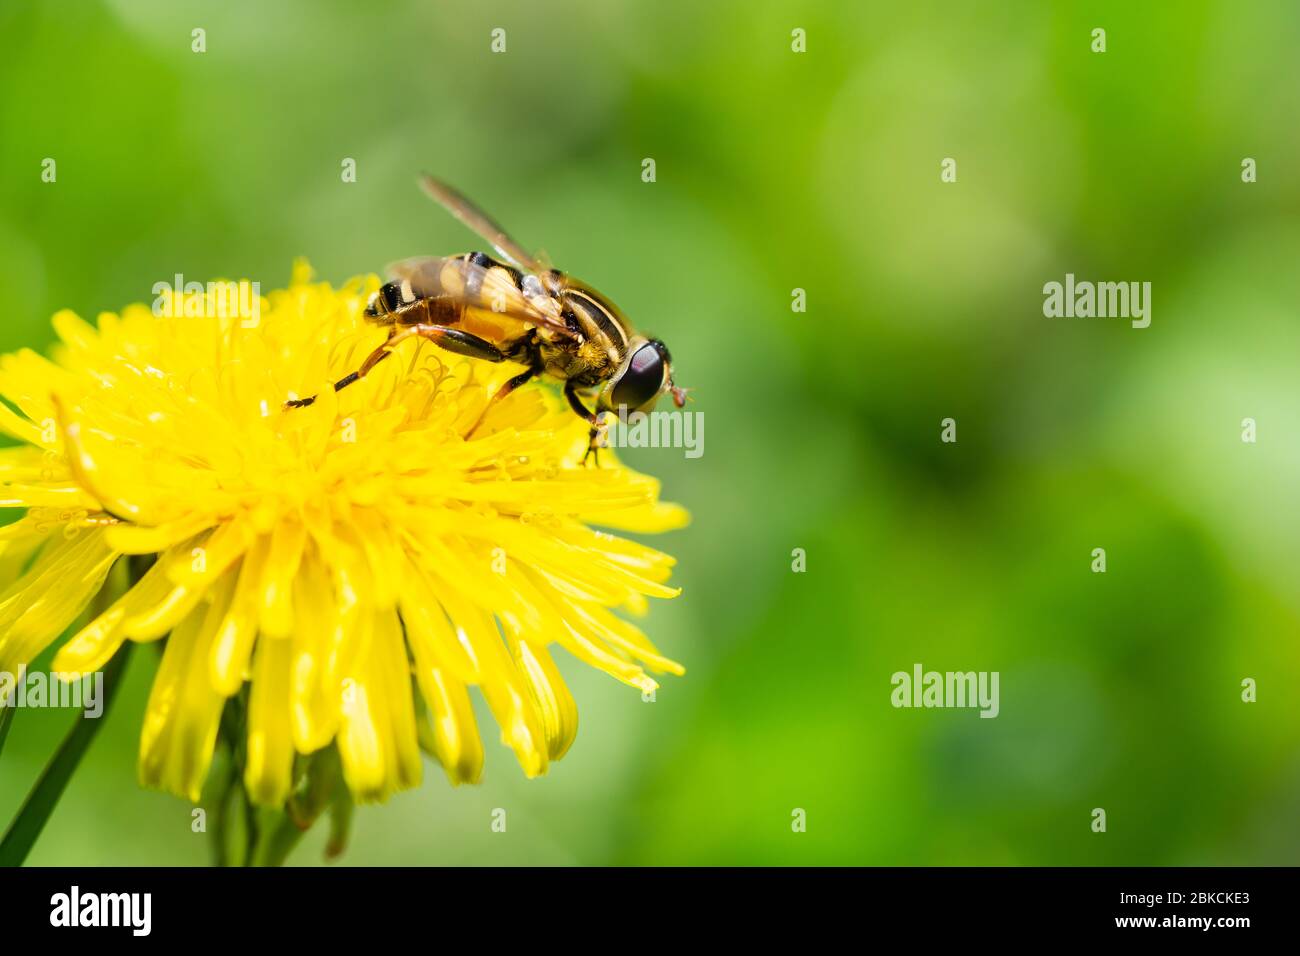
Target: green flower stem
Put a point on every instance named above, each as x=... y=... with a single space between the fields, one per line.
x=226 y=795
x=6 y=717
x=44 y=796
x=277 y=840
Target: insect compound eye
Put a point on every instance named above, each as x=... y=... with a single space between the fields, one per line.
x=642 y=380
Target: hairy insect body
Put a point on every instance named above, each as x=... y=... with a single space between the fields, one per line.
x=518 y=311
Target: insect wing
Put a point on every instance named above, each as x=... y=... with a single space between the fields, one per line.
x=488 y=288
x=480 y=222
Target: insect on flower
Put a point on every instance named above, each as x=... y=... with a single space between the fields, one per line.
x=330 y=586
x=518 y=311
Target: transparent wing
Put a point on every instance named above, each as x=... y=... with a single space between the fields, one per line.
x=480 y=222
x=492 y=288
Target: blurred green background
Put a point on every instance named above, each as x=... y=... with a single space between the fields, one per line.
x=778 y=170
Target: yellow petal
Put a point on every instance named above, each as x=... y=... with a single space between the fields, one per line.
x=137 y=539
x=503 y=686
x=286 y=548
x=366 y=742
x=393 y=668
x=180 y=724
x=378 y=742
x=456 y=741
x=554 y=702
x=39 y=605
x=428 y=631
x=233 y=646
x=92 y=647
x=314 y=677
x=268 y=773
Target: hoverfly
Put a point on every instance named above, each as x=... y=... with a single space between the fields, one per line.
x=519 y=310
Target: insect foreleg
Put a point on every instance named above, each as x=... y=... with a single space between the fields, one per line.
x=591 y=418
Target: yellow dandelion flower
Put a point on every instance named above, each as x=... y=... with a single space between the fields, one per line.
x=359 y=564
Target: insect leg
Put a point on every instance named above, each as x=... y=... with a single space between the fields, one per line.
x=462 y=343
x=501 y=393
x=593 y=419
x=453 y=340
x=373 y=359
